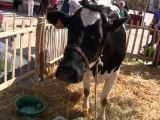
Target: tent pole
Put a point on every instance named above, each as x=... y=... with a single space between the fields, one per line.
x=145 y=13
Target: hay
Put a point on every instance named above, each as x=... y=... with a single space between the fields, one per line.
x=136 y=95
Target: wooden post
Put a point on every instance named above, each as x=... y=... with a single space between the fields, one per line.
x=6 y=54
x=6 y=62
x=14 y=20
x=42 y=50
x=14 y=58
x=55 y=40
x=135 y=37
x=29 y=50
x=129 y=34
x=155 y=58
x=39 y=32
x=53 y=43
x=140 y=44
x=158 y=54
x=145 y=12
x=6 y=26
x=31 y=22
x=21 y=48
x=145 y=49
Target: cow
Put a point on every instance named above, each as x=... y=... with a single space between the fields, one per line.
x=90 y=39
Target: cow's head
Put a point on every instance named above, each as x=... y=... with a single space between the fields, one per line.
x=85 y=33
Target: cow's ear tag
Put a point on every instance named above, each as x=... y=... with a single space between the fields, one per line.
x=100 y=61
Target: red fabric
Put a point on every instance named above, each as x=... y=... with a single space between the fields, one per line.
x=135 y=19
x=53 y=2
x=4 y=5
x=1 y=18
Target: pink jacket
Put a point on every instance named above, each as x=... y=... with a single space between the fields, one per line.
x=1 y=18
x=53 y=2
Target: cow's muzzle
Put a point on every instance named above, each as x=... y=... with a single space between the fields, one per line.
x=68 y=74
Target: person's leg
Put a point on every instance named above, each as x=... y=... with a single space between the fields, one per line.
x=32 y=7
x=29 y=9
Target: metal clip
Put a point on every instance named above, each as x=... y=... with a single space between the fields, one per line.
x=100 y=62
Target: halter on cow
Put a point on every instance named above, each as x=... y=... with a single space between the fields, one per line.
x=89 y=38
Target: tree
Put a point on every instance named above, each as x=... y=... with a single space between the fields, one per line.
x=136 y=4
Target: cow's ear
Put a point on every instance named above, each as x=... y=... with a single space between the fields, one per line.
x=54 y=16
x=114 y=24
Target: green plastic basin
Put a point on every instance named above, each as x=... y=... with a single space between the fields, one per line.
x=30 y=105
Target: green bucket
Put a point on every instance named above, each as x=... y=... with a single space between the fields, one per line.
x=30 y=105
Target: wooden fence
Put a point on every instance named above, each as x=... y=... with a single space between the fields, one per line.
x=50 y=44
x=138 y=38
x=43 y=45
x=17 y=22
x=18 y=40
x=33 y=49
x=20 y=43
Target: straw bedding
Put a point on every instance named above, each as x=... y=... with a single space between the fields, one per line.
x=135 y=96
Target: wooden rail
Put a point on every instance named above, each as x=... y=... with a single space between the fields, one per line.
x=137 y=38
x=21 y=39
x=15 y=32
x=49 y=46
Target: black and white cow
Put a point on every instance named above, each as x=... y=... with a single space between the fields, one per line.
x=88 y=39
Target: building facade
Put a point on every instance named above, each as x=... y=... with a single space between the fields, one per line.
x=17 y=4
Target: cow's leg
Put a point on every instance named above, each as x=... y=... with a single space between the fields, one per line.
x=86 y=88
x=105 y=92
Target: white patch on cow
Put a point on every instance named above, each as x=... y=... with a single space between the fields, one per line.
x=106 y=75
x=109 y=81
x=114 y=8
x=89 y=17
x=104 y=2
x=86 y=81
x=86 y=85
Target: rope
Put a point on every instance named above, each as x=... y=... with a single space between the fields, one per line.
x=99 y=62
x=96 y=79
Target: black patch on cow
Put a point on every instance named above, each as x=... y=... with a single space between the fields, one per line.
x=90 y=39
